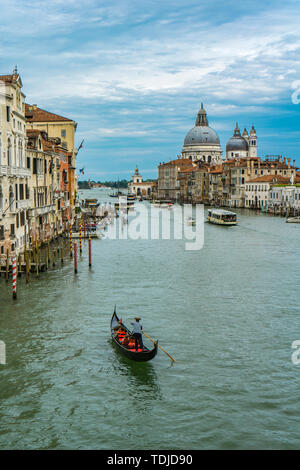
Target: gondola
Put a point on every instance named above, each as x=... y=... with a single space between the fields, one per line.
x=130 y=352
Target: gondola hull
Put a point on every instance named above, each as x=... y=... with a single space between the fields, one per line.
x=139 y=356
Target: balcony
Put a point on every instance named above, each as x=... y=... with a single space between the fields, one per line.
x=42 y=210
x=3 y=170
x=14 y=171
x=24 y=204
x=24 y=173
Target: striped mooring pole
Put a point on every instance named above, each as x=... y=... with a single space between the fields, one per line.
x=14 y=277
x=71 y=242
x=75 y=258
x=90 y=252
x=80 y=237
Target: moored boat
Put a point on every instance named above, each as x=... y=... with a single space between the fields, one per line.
x=221 y=217
x=142 y=355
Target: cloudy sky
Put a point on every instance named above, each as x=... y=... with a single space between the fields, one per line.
x=133 y=73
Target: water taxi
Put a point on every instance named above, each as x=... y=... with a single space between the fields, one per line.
x=221 y=217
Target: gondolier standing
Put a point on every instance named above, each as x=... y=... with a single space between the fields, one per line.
x=137 y=333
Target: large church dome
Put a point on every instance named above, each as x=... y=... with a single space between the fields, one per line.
x=202 y=142
x=201 y=135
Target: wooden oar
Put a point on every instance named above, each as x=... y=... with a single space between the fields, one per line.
x=159 y=347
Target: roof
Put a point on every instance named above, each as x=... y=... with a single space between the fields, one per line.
x=9 y=78
x=178 y=162
x=189 y=169
x=144 y=183
x=270 y=179
x=35 y=114
x=13 y=78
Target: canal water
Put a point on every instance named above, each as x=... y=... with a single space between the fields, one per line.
x=228 y=313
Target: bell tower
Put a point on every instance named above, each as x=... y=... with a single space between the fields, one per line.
x=252 y=142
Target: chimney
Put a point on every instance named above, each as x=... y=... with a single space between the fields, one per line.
x=284 y=160
x=289 y=162
x=34 y=106
x=294 y=163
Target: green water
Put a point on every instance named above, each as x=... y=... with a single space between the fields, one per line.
x=228 y=313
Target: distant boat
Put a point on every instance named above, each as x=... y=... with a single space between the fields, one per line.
x=131 y=197
x=191 y=221
x=293 y=220
x=221 y=217
x=117 y=194
x=163 y=203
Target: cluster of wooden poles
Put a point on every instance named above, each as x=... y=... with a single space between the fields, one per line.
x=40 y=257
x=80 y=247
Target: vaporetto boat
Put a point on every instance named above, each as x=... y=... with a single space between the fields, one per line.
x=221 y=217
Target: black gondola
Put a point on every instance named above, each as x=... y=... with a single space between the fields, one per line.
x=130 y=352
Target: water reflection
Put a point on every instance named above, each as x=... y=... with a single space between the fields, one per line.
x=141 y=376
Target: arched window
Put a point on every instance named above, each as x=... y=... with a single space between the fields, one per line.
x=1 y=199
x=9 y=162
x=209 y=159
x=11 y=199
x=15 y=152
x=20 y=153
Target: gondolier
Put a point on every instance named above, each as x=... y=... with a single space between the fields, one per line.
x=137 y=333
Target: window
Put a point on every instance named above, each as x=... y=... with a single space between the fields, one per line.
x=21 y=191
x=9 y=161
x=1 y=232
x=34 y=171
x=28 y=163
x=12 y=229
x=11 y=198
x=63 y=133
x=8 y=113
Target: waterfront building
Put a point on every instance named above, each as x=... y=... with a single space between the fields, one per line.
x=215 y=185
x=59 y=127
x=138 y=187
x=14 y=175
x=168 y=178
x=202 y=142
x=237 y=172
x=187 y=183
x=50 y=205
x=283 y=197
x=257 y=190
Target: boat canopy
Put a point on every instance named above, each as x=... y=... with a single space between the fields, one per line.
x=220 y=212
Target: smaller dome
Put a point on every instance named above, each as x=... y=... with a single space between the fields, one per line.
x=237 y=142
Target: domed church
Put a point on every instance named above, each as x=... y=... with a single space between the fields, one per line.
x=242 y=146
x=202 y=142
